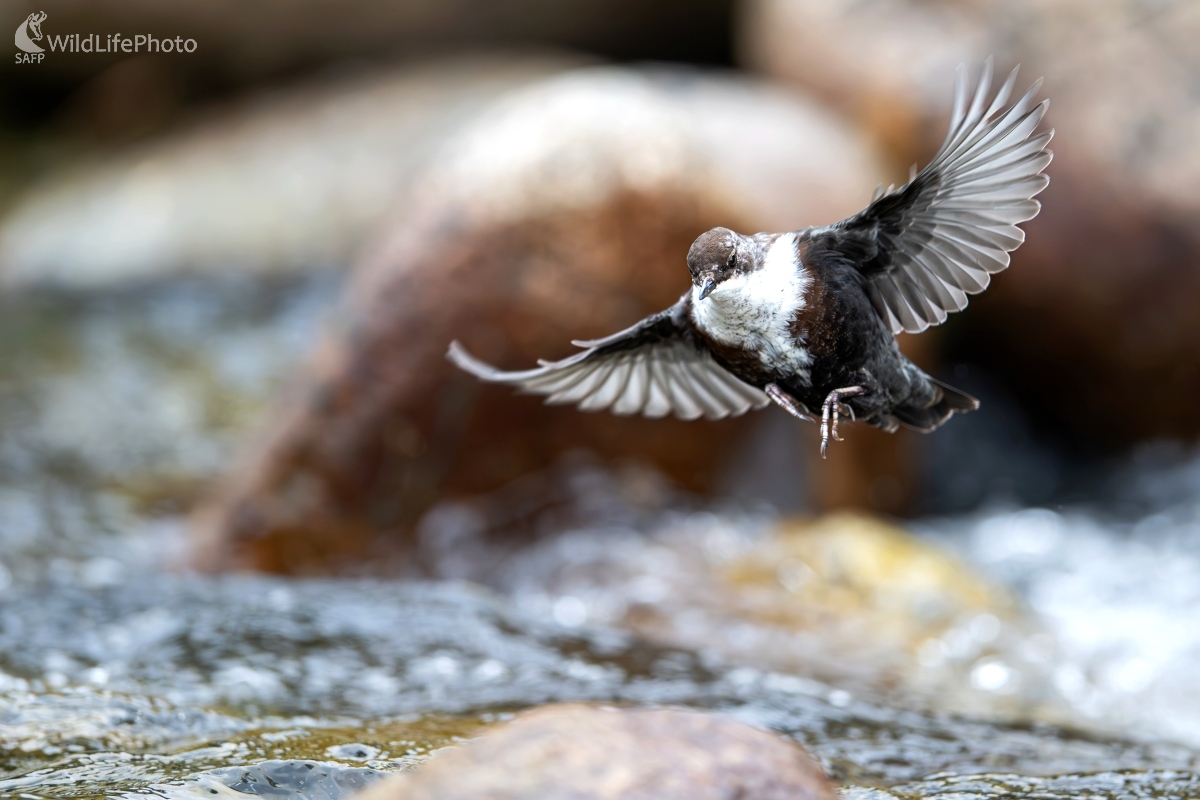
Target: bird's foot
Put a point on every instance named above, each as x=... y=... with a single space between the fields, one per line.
x=831 y=409
x=788 y=403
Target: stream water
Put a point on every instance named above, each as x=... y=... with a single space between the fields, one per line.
x=1011 y=651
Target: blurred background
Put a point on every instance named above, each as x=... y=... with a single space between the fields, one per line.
x=228 y=278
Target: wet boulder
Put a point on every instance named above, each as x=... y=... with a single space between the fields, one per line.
x=274 y=183
x=1094 y=327
x=562 y=212
x=587 y=752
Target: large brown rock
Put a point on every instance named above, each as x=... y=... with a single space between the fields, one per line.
x=563 y=212
x=594 y=752
x=1094 y=327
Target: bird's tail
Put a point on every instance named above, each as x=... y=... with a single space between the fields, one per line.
x=929 y=417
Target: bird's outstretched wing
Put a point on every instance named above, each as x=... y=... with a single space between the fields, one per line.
x=654 y=368
x=927 y=245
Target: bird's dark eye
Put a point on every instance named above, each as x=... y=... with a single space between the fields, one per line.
x=732 y=259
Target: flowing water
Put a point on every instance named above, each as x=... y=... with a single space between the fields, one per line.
x=1013 y=651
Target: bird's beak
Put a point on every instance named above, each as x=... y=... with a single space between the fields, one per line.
x=707 y=287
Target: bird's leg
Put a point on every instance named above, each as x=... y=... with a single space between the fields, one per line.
x=831 y=409
x=787 y=402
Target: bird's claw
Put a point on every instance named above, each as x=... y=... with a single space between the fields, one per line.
x=787 y=402
x=831 y=410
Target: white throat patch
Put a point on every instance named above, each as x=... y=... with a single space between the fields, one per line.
x=755 y=310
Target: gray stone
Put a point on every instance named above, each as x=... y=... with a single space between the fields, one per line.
x=275 y=183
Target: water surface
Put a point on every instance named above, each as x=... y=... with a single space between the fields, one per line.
x=1012 y=651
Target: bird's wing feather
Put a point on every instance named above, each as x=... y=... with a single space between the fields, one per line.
x=654 y=368
x=927 y=245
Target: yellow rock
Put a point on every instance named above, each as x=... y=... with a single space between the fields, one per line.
x=846 y=598
x=859 y=570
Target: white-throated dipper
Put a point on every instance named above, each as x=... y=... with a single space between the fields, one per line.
x=807 y=319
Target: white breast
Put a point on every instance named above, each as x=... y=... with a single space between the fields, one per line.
x=755 y=310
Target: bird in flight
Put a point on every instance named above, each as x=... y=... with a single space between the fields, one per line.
x=807 y=319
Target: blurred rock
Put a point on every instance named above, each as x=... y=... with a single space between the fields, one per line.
x=1094 y=327
x=863 y=603
x=587 y=752
x=859 y=569
x=563 y=212
x=276 y=182
x=293 y=780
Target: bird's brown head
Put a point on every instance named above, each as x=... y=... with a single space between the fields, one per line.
x=715 y=257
